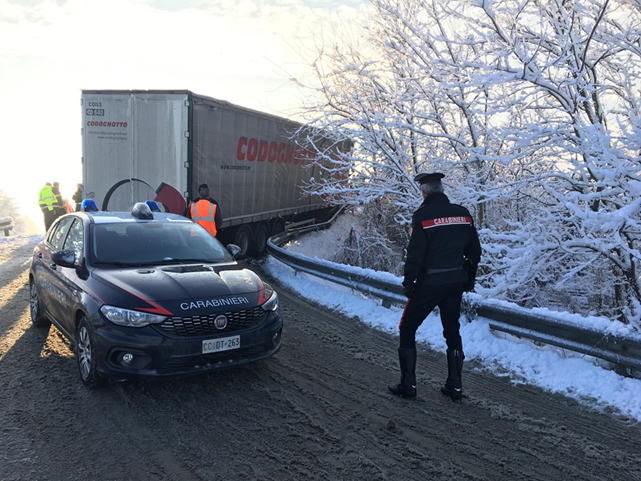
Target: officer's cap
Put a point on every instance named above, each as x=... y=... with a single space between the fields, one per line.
x=425 y=178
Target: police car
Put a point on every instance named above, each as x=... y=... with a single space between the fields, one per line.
x=144 y=294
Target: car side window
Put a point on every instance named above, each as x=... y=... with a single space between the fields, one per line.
x=75 y=240
x=51 y=233
x=59 y=235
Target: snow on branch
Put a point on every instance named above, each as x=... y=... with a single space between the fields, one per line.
x=533 y=111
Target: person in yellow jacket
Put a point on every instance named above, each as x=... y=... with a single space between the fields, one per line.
x=205 y=211
x=47 y=202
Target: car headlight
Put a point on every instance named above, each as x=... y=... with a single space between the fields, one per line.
x=127 y=317
x=272 y=303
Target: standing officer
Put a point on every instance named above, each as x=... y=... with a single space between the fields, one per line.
x=442 y=257
x=77 y=197
x=59 y=203
x=205 y=211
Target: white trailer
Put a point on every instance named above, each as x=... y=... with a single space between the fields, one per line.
x=140 y=145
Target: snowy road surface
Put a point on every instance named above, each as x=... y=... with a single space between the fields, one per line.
x=318 y=410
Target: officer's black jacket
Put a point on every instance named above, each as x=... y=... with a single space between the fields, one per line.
x=77 y=197
x=443 y=237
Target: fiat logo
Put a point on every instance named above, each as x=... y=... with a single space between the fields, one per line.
x=220 y=322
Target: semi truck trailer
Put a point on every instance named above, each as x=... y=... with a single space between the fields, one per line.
x=161 y=145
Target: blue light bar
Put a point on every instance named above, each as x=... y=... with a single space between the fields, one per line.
x=153 y=205
x=89 y=205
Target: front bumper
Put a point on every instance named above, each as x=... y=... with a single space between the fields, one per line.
x=157 y=355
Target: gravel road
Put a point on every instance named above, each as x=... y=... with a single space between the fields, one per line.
x=318 y=410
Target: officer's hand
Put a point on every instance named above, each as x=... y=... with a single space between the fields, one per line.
x=471 y=276
x=408 y=290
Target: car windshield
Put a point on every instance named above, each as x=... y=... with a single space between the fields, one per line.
x=144 y=243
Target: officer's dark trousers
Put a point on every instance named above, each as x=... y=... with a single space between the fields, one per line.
x=448 y=298
x=50 y=216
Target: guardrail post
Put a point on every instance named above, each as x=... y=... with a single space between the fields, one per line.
x=6 y=225
x=622 y=370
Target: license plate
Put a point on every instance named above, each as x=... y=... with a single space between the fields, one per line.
x=222 y=344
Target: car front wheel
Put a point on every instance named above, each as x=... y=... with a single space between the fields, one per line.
x=86 y=355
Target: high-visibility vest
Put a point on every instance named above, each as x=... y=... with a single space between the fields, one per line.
x=46 y=199
x=203 y=212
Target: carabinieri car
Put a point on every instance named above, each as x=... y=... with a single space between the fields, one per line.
x=144 y=294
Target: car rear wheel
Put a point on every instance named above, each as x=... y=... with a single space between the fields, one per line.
x=86 y=356
x=37 y=318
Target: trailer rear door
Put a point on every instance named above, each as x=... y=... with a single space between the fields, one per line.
x=134 y=144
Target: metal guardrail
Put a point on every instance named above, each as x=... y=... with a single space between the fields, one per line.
x=6 y=225
x=625 y=353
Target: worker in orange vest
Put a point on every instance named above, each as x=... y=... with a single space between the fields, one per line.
x=68 y=207
x=205 y=211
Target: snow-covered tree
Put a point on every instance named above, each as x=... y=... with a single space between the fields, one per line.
x=9 y=208
x=531 y=107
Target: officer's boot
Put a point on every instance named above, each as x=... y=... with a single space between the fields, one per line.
x=407 y=387
x=454 y=386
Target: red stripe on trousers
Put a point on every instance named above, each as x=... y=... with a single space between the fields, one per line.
x=403 y=315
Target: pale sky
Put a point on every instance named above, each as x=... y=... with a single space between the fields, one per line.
x=242 y=51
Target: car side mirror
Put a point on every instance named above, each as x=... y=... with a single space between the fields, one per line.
x=233 y=249
x=64 y=258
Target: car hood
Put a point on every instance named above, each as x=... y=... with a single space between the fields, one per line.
x=183 y=289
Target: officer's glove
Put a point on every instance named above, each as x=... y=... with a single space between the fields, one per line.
x=409 y=289
x=471 y=276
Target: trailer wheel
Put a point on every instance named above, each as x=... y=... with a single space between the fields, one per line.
x=243 y=239
x=260 y=239
x=278 y=226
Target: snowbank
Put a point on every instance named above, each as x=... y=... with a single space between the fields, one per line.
x=17 y=240
x=16 y=251
x=324 y=244
x=599 y=324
